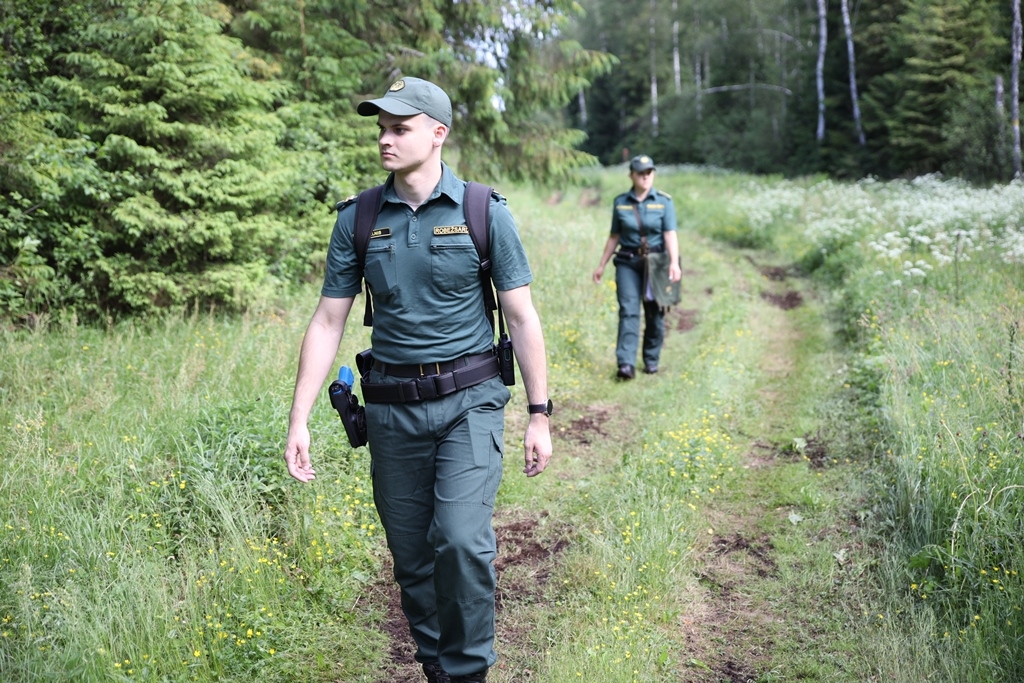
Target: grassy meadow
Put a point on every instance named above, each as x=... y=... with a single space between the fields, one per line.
x=151 y=533
x=923 y=281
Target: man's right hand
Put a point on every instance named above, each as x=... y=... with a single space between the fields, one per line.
x=296 y=454
x=319 y=348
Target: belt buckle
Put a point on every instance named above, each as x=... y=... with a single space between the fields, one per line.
x=436 y=368
x=426 y=387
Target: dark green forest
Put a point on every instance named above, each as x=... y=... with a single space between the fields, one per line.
x=733 y=83
x=159 y=154
x=162 y=154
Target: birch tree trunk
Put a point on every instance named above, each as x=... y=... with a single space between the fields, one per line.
x=676 y=72
x=581 y=99
x=820 y=68
x=845 y=4
x=654 y=75
x=697 y=74
x=780 y=67
x=1001 y=116
x=1015 y=88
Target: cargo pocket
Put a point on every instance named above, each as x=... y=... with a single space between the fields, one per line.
x=494 y=468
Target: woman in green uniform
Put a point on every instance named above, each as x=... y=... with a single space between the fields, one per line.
x=643 y=221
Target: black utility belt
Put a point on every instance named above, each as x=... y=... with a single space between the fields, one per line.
x=430 y=380
x=633 y=253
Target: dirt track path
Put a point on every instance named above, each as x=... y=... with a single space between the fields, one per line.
x=743 y=558
x=784 y=547
x=769 y=573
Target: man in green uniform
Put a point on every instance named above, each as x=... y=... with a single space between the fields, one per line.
x=643 y=221
x=435 y=462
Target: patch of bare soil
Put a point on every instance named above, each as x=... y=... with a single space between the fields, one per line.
x=681 y=319
x=727 y=641
x=576 y=428
x=813 y=449
x=774 y=273
x=733 y=634
x=785 y=301
x=816 y=451
x=586 y=428
x=400 y=644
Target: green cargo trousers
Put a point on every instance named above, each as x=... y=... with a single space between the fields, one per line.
x=629 y=284
x=436 y=466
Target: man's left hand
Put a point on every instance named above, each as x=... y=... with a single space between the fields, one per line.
x=538 y=445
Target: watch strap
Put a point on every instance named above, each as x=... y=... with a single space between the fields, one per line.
x=534 y=408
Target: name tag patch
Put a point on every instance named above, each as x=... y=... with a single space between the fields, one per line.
x=380 y=232
x=451 y=229
x=655 y=206
x=626 y=207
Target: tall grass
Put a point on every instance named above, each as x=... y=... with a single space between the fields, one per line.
x=925 y=281
x=150 y=532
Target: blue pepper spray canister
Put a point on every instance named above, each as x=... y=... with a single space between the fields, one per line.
x=352 y=415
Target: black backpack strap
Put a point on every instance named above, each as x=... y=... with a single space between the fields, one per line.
x=367 y=207
x=476 y=205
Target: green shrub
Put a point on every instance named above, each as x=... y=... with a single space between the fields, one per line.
x=168 y=174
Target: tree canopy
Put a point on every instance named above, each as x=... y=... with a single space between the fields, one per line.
x=744 y=92
x=158 y=154
x=162 y=153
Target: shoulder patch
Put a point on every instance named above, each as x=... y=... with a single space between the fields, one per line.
x=665 y=194
x=345 y=202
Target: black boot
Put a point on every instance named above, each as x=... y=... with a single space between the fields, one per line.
x=435 y=674
x=478 y=677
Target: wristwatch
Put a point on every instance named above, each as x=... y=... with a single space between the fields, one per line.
x=546 y=408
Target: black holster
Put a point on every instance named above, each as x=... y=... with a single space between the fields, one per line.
x=352 y=415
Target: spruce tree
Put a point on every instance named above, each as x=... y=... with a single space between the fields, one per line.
x=171 y=186
x=950 y=45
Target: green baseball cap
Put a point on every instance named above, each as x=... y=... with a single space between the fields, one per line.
x=410 y=96
x=641 y=163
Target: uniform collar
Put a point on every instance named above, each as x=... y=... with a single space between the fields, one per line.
x=448 y=185
x=650 y=195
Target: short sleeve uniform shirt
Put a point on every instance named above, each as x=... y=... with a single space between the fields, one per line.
x=657 y=216
x=423 y=272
